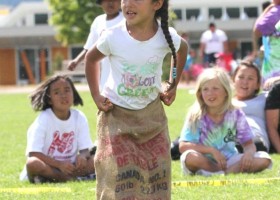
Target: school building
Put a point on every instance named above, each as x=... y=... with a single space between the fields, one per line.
x=236 y=18
x=29 y=50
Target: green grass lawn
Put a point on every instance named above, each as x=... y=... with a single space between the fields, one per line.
x=17 y=115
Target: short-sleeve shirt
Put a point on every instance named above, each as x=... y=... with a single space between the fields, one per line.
x=233 y=129
x=214 y=41
x=255 y=115
x=271 y=42
x=98 y=26
x=136 y=66
x=59 y=139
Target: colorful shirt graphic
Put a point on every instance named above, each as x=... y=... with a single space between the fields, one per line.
x=223 y=136
x=267 y=25
x=136 y=66
x=59 y=139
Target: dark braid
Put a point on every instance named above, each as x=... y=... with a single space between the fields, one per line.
x=162 y=13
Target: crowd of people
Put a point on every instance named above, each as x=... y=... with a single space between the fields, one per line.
x=226 y=130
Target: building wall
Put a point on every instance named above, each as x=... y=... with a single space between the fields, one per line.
x=7 y=67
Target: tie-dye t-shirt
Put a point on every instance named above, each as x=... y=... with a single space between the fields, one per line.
x=267 y=25
x=223 y=136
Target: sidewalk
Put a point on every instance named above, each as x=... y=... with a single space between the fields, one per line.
x=79 y=86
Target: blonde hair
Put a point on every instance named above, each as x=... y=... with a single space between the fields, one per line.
x=199 y=107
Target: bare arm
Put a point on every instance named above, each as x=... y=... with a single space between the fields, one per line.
x=272 y=120
x=65 y=167
x=249 y=149
x=93 y=57
x=73 y=63
x=82 y=157
x=169 y=95
x=216 y=154
x=181 y=59
x=184 y=146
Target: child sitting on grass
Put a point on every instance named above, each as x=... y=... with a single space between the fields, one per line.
x=212 y=129
x=58 y=141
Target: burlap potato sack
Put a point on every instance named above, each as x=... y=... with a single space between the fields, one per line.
x=133 y=159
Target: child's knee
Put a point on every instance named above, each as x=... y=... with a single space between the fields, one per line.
x=32 y=164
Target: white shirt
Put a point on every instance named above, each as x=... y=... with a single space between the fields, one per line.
x=59 y=139
x=97 y=27
x=214 y=41
x=136 y=66
x=255 y=115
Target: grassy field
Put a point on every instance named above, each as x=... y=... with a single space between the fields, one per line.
x=17 y=115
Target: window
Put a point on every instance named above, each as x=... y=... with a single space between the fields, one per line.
x=178 y=13
x=41 y=19
x=215 y=12
x=251 y=12
x=233 y=13
x=75 y=51
x=192 y=13
x=246 y=49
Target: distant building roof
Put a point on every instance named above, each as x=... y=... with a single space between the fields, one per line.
x=14 y=3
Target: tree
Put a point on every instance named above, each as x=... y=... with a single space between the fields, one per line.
x=72 y=19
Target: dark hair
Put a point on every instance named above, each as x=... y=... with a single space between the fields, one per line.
x=250 y=64
x=212 y=25
x=265 y=5
x=40 y=98
x=98 y=1
x=162 y=13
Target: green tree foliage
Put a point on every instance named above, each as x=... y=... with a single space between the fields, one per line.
x=72 y=19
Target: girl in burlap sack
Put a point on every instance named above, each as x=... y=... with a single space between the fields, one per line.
x=133 y=151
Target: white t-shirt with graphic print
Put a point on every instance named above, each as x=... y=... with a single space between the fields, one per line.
x=136 y=66
x=59 y=139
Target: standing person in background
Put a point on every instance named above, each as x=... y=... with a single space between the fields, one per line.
x=133 y=159
x=272 y=109
x=247 y=83
x=267 y=26
x=58 y=141
x=111 y=17
x=212 y=41
x=212 y=129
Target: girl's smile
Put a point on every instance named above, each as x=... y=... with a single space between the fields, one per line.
x=213 y=94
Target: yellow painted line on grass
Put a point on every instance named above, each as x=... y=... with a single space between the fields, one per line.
x=256 y=181
x=34 y=190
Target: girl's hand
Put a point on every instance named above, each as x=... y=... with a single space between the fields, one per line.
x=220 y=159
x=169 y=95
x=81 y=162
x=67 y=167
x=103 y=103
x=246 y=162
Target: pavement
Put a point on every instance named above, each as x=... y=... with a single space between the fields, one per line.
x=13 y=89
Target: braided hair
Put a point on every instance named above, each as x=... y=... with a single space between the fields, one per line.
x=162 y=13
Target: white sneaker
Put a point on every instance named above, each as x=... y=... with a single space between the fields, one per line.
x=203 y=172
